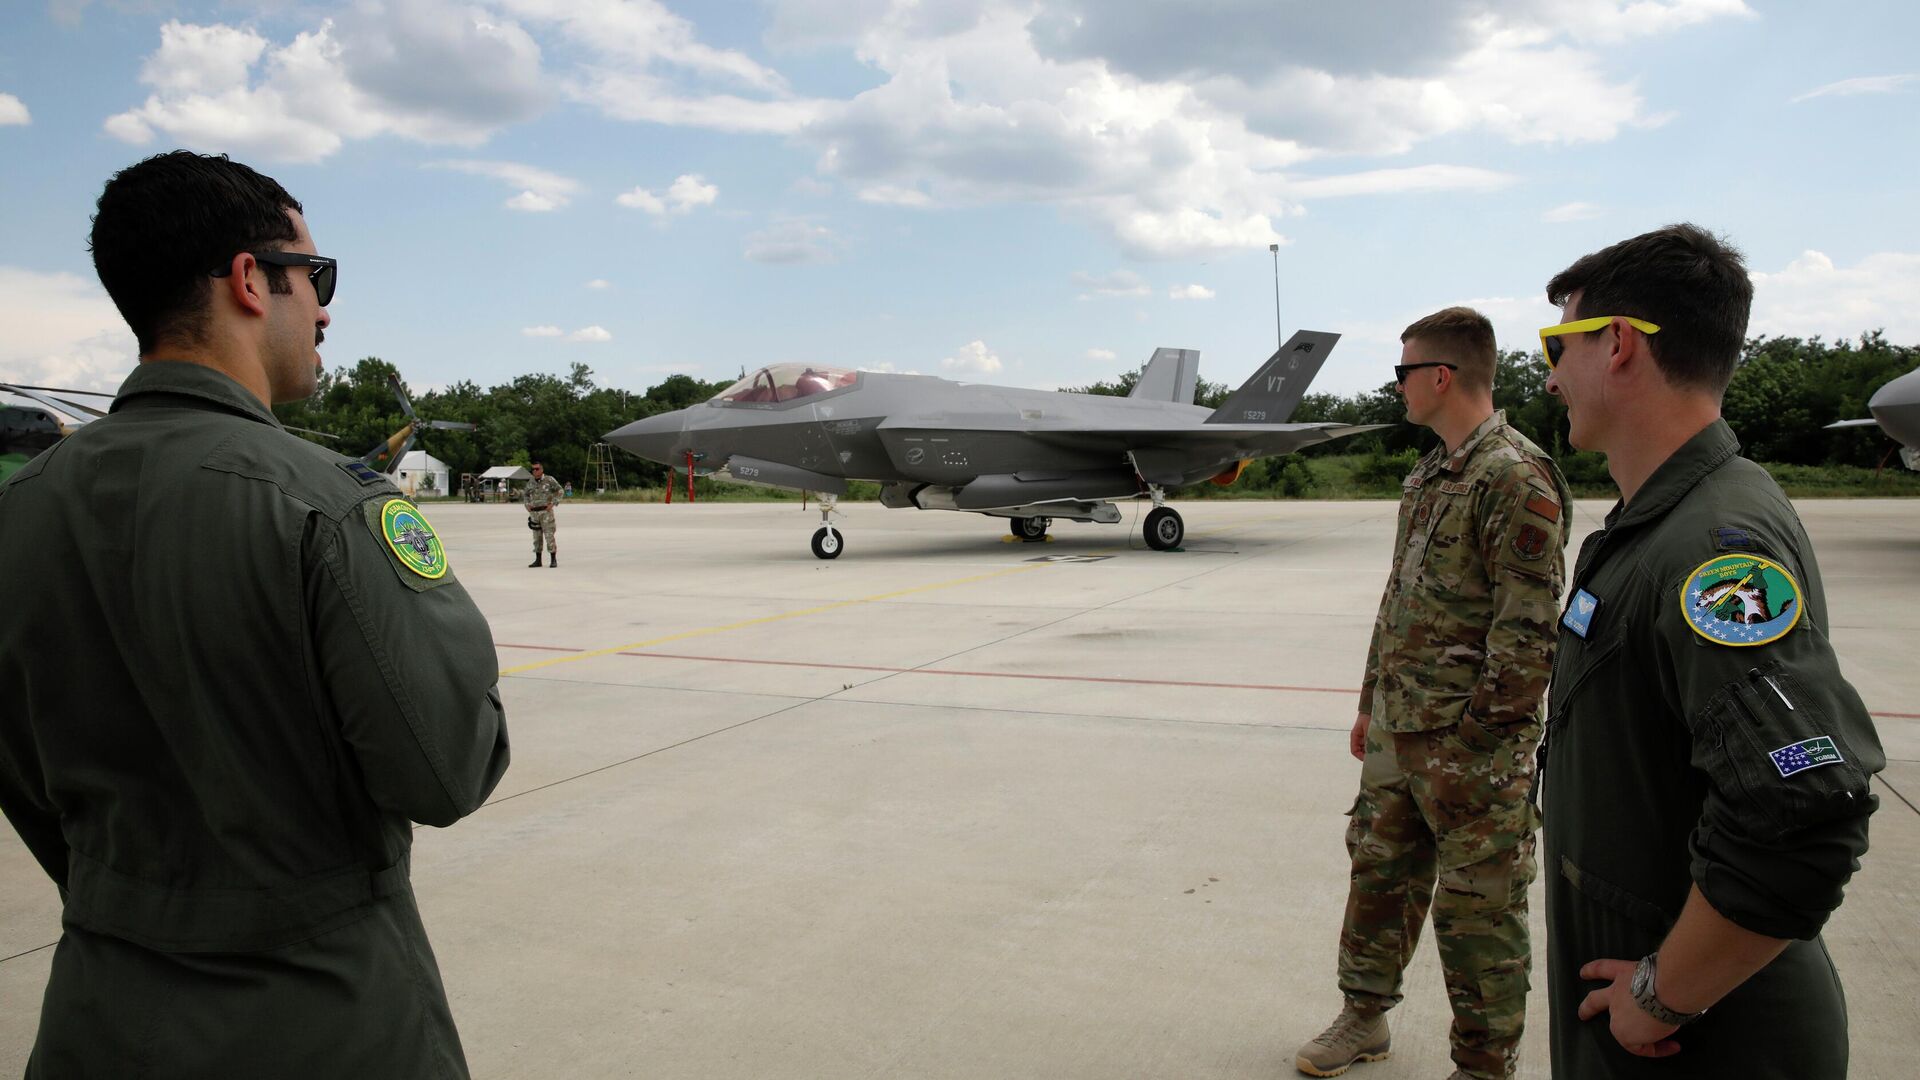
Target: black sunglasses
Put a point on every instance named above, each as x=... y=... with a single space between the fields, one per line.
x=1401 y=371
x=325 y=272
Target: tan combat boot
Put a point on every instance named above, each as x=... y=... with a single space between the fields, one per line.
x=1353 y=1036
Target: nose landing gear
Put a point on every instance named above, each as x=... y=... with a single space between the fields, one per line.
x=828 y=541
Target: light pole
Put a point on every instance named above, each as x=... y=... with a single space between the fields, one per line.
x=1280 y=342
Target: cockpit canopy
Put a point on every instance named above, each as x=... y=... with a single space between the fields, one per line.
x=785 y=382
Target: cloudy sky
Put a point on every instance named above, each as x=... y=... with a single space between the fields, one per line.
x=1035 y=192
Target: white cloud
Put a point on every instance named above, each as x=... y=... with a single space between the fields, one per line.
x=1573 y=211
x=62 y=330
x=426 y=70
x=890 y=195
x=686 y=192
x=791 y=243
x=13 y=111
x=542 y=191
x=974 y=358
x=1872 y=84
x=1812 y=295
x=1174 y=127
x=1420 y=178
x=1118 y=283
x=585 y=333
x=1189 y=292
x=1102 y=355
x=599 y=283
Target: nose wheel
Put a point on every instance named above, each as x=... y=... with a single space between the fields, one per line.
x=828 y=541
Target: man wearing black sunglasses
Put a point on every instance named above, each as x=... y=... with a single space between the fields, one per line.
x=1706 y=777
x=1449 y=715
x=236 y=667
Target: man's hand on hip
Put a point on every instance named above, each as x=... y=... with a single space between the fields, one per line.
x=1635 y=1031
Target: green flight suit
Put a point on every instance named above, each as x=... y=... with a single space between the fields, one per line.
x=224 y=694
x=1668 y=763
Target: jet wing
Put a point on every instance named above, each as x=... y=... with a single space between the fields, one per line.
x=1231 y=440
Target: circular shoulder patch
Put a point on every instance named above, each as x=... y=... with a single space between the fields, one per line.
x=1741 y=600
x=413 y=541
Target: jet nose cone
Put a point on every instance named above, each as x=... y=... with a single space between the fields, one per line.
x=653 y=437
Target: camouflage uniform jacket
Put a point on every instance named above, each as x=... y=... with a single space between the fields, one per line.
x=1466 y=625
x=543 y=494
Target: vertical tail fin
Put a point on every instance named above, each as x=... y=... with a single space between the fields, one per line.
x=1276 y=389
x=1170 y=375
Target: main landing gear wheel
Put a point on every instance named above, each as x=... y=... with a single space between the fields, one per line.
x=1164 y=529
x=827 y=542
x=1029 y=528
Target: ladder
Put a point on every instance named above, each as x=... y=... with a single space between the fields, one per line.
x=600 y=473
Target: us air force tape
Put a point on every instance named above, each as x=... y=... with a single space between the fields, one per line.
x=1741 y=600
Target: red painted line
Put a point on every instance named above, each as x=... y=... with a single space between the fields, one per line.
x=1896 y=715
x=537 y=648
x=992 y=674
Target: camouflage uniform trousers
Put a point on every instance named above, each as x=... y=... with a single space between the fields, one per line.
x=1450 y=804
x=544 y=519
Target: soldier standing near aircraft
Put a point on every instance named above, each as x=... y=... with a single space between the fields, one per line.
x=1705 y=777
x=1449 y=715
x=236 y=666
x=542 y=495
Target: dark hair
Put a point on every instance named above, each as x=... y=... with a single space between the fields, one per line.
x=1464 y=337
x=1690 y=283
x=162 y=226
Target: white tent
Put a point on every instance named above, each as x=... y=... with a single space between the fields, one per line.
x=507 y=472
x=420 y=473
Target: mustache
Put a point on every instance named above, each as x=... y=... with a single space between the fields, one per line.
x=319 y=334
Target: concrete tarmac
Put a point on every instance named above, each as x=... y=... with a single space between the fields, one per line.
x=956 y=807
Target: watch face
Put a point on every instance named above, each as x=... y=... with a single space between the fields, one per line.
x=1640 y=979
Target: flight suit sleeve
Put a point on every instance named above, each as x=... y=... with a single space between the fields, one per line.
x=24 y=802
x=409 y=669
x=1785 y=743
x=1522 y=532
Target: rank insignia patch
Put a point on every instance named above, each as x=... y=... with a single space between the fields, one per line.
x=1741 y=600
x=1531 y=542
x=1545 y=507
x=362 y=472
x=1807 y=754
x=412 y=540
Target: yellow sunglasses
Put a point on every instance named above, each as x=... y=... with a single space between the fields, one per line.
x=1552 y=346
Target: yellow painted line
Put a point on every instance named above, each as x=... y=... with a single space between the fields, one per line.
x=706 y=630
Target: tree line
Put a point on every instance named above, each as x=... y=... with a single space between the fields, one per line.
x=1784 y=393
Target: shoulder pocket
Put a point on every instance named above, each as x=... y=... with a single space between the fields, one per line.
x=1777 y=756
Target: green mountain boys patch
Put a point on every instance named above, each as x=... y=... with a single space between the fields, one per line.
x=411 y=539
x=1741 y=600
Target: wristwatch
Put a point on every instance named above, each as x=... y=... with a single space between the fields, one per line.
x=1649 y=1001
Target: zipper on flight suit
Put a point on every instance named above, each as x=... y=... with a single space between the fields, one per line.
x=1583 y=564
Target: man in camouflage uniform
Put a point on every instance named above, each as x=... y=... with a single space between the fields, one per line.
x=1449 y=716
x=542 y=495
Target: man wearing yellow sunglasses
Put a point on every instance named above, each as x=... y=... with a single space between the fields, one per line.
x=1705 y=767
x=1449 y=717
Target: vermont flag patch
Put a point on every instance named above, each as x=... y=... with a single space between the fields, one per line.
x=1806 y=754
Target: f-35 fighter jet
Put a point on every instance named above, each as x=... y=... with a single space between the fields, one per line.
x=1896 y=409
x=1027 y=455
